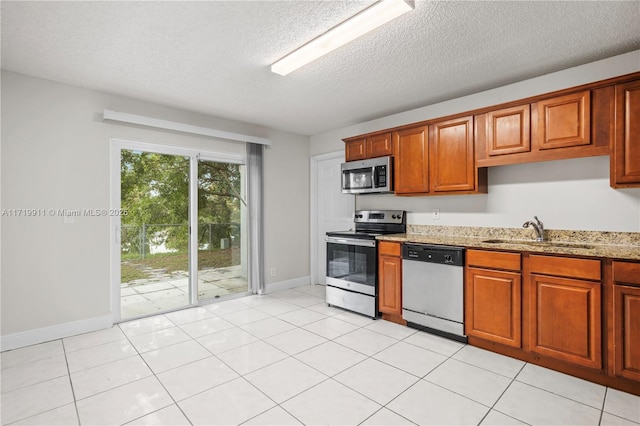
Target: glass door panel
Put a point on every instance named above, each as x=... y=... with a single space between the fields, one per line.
x=154 y=241
x=222 y=249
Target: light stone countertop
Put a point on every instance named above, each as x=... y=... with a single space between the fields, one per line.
x=613 y=245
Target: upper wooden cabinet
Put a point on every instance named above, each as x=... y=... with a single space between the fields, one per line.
x=377 y=145
x=411 y=160
x=564 y=121
x=549 y=129
x=355 y=149
x=625 y=154
x=599 y=118
x=438 y=159
x=508 y=130
x=451 y=156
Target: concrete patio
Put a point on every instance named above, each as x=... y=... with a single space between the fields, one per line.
x=165 y=291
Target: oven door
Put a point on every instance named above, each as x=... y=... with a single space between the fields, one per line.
x=352 y=264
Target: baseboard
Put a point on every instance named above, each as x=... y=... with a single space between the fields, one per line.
x=46 y=334
x=285 y=285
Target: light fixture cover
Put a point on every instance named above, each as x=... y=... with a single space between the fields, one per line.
x=370 y=18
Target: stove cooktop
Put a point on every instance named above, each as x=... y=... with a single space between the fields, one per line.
x=363 y=235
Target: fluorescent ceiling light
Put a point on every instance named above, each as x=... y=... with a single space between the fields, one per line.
x=371 y=18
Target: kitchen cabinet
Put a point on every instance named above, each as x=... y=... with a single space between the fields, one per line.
x=625 y=153
x=390 y=281
x=565 y=309
x=493 y=296
x=355 y=149
x=451 y=156
x=626 y=320
x=411 y=160
x=432 y=157
x=508 y=131
x=564 y=121
x=376 y=145
x=567 y=126
x=438 y=159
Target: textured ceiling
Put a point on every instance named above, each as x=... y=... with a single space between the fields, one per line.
x=213 y=57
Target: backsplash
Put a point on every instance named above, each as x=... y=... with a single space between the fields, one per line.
x=555 y=235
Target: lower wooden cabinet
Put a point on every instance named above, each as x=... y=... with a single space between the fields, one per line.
x=565 y=309
x=390 y=280
x=566 y=320
x=493 y=297
x=577 y=315
x=626 y=320
x=493 y=306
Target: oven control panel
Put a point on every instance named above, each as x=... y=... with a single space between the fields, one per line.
x=380 y=216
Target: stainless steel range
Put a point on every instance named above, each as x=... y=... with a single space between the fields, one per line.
x=352 y=260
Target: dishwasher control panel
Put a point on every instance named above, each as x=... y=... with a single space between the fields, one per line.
x=446 y=255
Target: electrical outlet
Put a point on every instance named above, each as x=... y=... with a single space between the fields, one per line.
x=436 y=214
x=272 y=272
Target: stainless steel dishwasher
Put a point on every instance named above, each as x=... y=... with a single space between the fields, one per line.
x=433 y=289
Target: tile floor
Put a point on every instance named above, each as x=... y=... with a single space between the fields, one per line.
x=287 y=358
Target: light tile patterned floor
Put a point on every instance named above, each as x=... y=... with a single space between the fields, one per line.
x=287 y=358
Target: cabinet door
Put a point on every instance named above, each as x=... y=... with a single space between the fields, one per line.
x=626 y=329
x=411 y=160
x=625 y=159
x=493 y=306
x=355 y=150
x=566 y=319
x=390 y=285
x=379 y=145
x=564 y=121
x=508 y=130
x=452 y=159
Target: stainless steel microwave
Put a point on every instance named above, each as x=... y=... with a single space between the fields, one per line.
x=372 y=176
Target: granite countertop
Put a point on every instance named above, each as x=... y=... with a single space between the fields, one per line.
x=614 y=245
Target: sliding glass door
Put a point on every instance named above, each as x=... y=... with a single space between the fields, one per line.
x=181 y=235
x=222 y=248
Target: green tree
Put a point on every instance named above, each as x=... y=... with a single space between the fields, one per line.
x=155 y=190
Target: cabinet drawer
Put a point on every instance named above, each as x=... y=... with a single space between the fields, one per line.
x=588 y=269
x=626 y=272
x=389 y=249
x=494 y=259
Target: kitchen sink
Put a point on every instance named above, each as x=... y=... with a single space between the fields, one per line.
x=540 y=244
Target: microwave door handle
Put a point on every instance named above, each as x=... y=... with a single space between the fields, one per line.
x=375 y=177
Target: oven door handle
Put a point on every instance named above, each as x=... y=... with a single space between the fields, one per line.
x=351 y=241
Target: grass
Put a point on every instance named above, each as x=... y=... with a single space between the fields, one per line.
x=136 y=268
x=129 y=273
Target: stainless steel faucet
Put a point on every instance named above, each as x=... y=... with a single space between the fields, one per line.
x=538 y=226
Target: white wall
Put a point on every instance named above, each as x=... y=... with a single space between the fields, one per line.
x=567 y=194
x=55 y=154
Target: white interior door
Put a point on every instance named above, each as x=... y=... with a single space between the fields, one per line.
x=333 y=210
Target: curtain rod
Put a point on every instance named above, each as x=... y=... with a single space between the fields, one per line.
x=181 y=127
